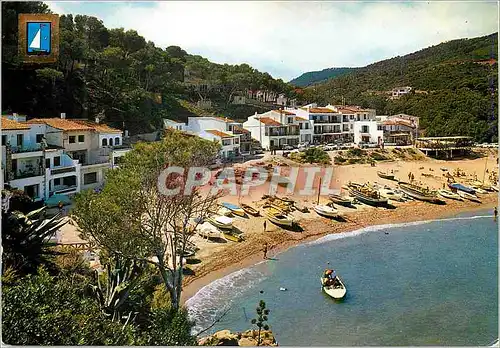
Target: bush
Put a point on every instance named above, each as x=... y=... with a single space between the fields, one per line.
x=339 y=160
x=316 y=155
x=169 y=328
x=355 y=152
x=45 y=310
x=377 y=156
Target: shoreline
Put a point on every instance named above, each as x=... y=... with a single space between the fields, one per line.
x=246 y=254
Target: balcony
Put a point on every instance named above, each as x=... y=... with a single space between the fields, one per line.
x=28 y=173
x=64 y=189
x=332 y=120
x=54 y=171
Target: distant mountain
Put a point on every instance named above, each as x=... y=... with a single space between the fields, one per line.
x=454 y=87
x=312 y=77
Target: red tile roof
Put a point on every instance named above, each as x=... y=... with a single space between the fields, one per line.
x=219 y=133
x=61 y=123
x=99 y=127
x=225 y=119
x=269 y=121
x=346 y=111
x=398 y=123
x=8 y=124
x=285 y=112
x=241 y=129
x=301 y=118
x=321 y=111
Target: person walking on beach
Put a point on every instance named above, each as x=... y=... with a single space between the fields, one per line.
x=265 y=251
x=265 y=226
x=495 y=213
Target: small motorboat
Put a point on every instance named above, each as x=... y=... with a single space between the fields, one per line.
x=224 y=211
x=249 y=209
x=326 y=210
x=223 y=222
x=389 y=193
x=207 y=230
x=236 y=210
x=469 y=196
x=450 y=195
x=278 y=217
x=479 y=189
x=460 y=187
x=342 y=200
x=384 y=175
x=335 y=289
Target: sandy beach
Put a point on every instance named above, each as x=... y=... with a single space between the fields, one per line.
x=221 y=259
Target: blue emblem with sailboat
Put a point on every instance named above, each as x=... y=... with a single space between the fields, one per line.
x=38 y=38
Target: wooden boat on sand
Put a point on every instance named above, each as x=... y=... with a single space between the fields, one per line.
x=207 y=230
x=336 y=291
x=469 y=196
x=418 y=192
x=342 y=200
x=230 y=235
x=223 y=222
x=236 y=210
x=325 y=210
x=450 y=195
x=366 y=194
x=384 y=175
x=460 y=187
x=249 y=209
x=389 y=193
x=278 y=217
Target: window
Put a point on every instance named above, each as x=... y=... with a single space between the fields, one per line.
x=47 y=163
x=39 y=138
x=104 y=142
x=364 y=129
x=4 y=140
x=20 y=138
x=301 y=125
x=236 y=140
x=307 y=125
x=379 y=127
x=57 y=161
x=290 y=119
x=226 y=142
x=57 y=182
x=81 y=138
x=90 y=178
x=110 y=141
x=72 y=139
x=117 y=141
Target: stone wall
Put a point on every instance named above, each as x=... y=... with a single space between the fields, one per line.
x=248 y=338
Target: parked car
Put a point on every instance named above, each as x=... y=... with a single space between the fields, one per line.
x=287 y=147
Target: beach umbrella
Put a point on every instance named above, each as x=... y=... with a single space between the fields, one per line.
x=54 y=200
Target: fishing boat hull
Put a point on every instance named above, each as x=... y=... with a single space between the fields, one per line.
x=479 y=190
x=470 y=197
x=278 y=217
x=326 y=211
x=460 y=187
x=250 y=210
x=207 y=230
x=221 y=222
x=355 y=190
x=385 y=176
x=389 y=194
x=450 y=195
x=234 y=209
x=342 y=200
x=230 y=236
x=416 y=194
x=337 y=292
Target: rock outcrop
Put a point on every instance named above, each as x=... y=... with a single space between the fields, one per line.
x=248 y=338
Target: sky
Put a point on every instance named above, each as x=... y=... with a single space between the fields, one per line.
x=287 y=39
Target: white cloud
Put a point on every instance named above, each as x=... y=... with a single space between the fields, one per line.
x=288 y=38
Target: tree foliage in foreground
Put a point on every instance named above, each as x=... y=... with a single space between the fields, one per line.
x=130 y=217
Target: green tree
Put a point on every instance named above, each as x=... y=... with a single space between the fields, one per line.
x=133 y=219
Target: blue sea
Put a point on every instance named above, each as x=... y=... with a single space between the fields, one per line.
x=424 y=283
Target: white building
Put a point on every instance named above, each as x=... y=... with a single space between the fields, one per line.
x=58 y=156
x=230 y=134
x=397 y=92
x=368 y=132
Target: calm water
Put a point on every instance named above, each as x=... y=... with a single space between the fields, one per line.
x=431 y=283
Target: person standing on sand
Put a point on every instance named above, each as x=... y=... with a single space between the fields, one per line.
x=495 y=213
x=265 y=251
x=265 y=226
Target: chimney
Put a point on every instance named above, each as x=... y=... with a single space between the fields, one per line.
x=63 y=115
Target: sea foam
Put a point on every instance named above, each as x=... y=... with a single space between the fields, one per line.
x=208 y=303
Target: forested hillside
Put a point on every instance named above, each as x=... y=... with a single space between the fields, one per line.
x=118 y=74
x=313 y=77
x=456 y=83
